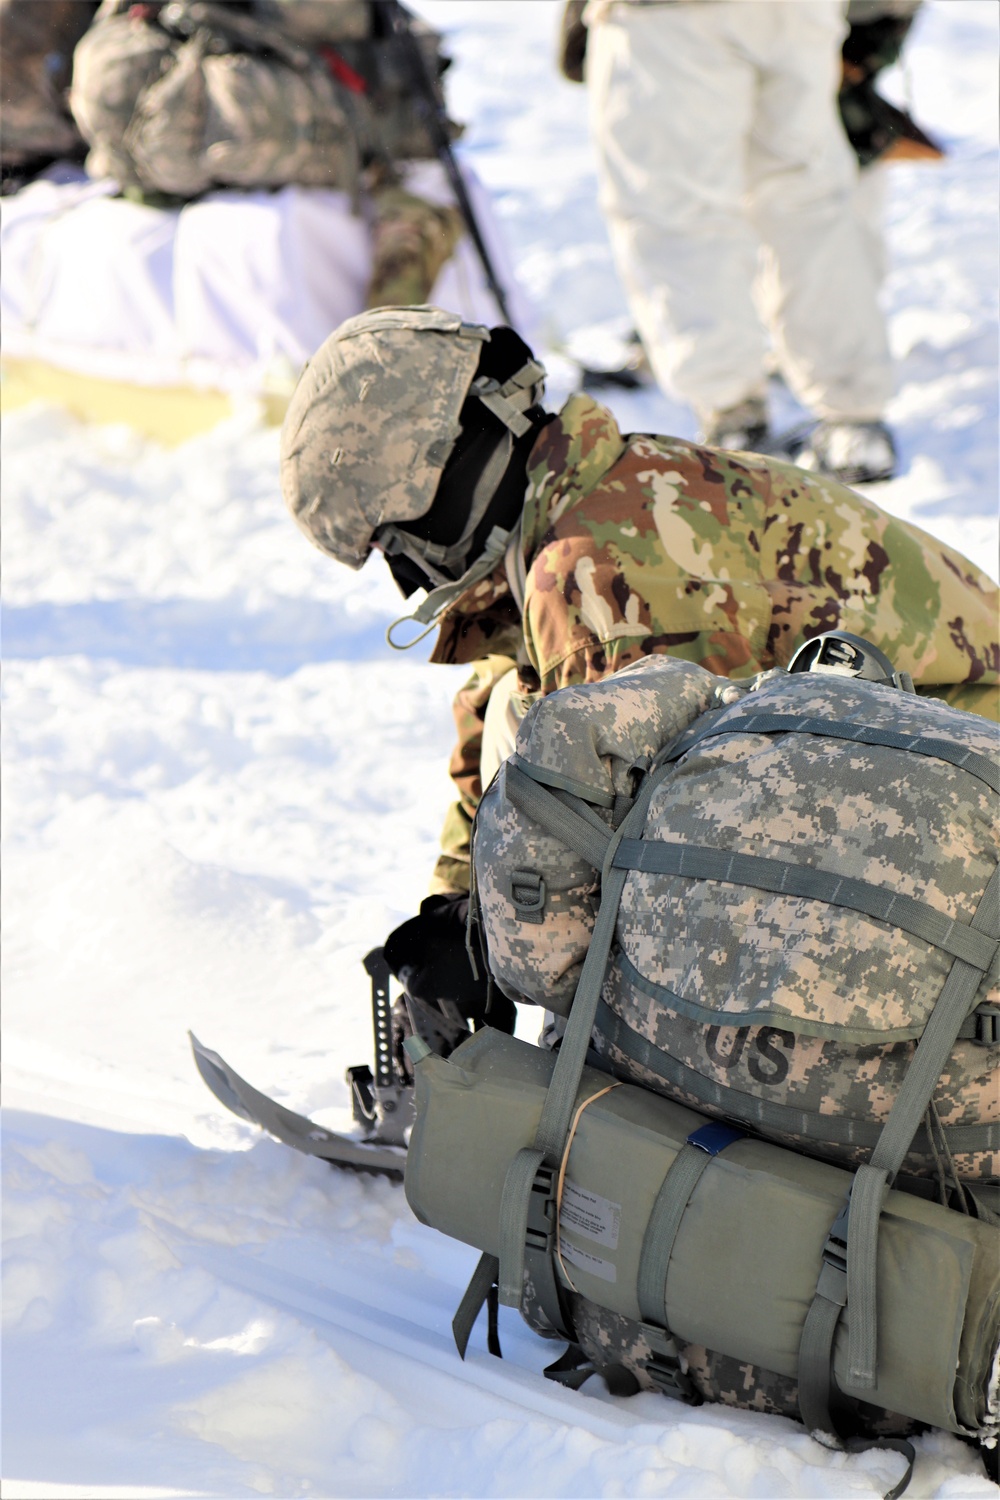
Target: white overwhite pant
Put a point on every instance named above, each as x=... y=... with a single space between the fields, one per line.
x=717 y=132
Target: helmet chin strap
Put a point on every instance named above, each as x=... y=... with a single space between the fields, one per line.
x=438 y=600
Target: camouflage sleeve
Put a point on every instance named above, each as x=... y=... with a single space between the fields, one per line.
x=832 y=558
x=411 y=240
x=974 y=697
x=732 y=562
x=451 y=873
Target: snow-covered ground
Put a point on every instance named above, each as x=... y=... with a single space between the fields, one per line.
x=221 y=790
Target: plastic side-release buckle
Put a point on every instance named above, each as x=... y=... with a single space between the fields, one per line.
x=540 y=1247
x=832 y=1282
x=664 y=1368
x=987 y=1019
x=542 y=1211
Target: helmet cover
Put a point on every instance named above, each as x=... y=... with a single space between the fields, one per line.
x=372 y=423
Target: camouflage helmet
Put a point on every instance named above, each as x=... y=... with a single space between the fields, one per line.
x=373 y=421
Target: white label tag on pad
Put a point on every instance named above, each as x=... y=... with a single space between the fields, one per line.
x=582 y=1212
x=584 y=1261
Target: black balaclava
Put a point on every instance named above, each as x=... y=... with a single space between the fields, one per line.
x=504 y=354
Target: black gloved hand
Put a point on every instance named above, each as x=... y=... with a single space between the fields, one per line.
x=428 y=956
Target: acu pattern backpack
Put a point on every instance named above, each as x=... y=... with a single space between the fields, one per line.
x=178 y=98
x=762 y=1166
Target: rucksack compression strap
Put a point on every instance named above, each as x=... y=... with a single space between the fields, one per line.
x=977 y=764
x=850 y=1275
x=560 y=1099
x=704 y=862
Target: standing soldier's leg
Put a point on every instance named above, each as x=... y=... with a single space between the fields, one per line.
x=828 y=328
x=671 y=106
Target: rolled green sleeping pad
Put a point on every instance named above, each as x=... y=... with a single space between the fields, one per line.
x=748 y=1250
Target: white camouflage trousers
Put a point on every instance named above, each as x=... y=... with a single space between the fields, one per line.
x=717 y=136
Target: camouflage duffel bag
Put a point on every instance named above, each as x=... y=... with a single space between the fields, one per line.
x=805 y=880
x=694 y=1237
x=200 y=96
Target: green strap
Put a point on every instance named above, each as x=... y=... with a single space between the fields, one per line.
x=551 y=812
x=484 y=1278
x=514 y=1223
x=676 y=1191
x=560 y=1098
x=430 y=610
x=683 y=1176
x=588 y=795
x=871 y=1184
x=557 y=1110
x=953 y=1006
x=858 y=1279
x=872 y=1181
x=973 y=761
x=816 y=1343
x=890 y=1445
x=762 y=1114
x=703 y=862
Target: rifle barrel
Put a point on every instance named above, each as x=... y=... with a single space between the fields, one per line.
x=427 y=103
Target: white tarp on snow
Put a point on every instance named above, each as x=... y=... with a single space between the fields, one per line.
x=235 y=290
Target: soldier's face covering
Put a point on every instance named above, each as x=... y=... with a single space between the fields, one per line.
x=481 y=432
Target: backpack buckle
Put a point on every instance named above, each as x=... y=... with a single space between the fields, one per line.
x=539 y=1249
x=832 y=1282
x=987 y=1019
x=664 y=1367
x=542 y=1210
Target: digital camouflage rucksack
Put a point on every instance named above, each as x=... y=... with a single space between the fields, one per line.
x=176 y=99
x=762 y=1167
x=809 y=866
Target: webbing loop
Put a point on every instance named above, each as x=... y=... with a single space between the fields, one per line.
x=676 y=1192
x=483 y=1283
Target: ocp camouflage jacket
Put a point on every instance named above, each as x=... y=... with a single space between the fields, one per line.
x=639 y=544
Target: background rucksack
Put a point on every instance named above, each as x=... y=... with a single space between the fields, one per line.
x=178 y=98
